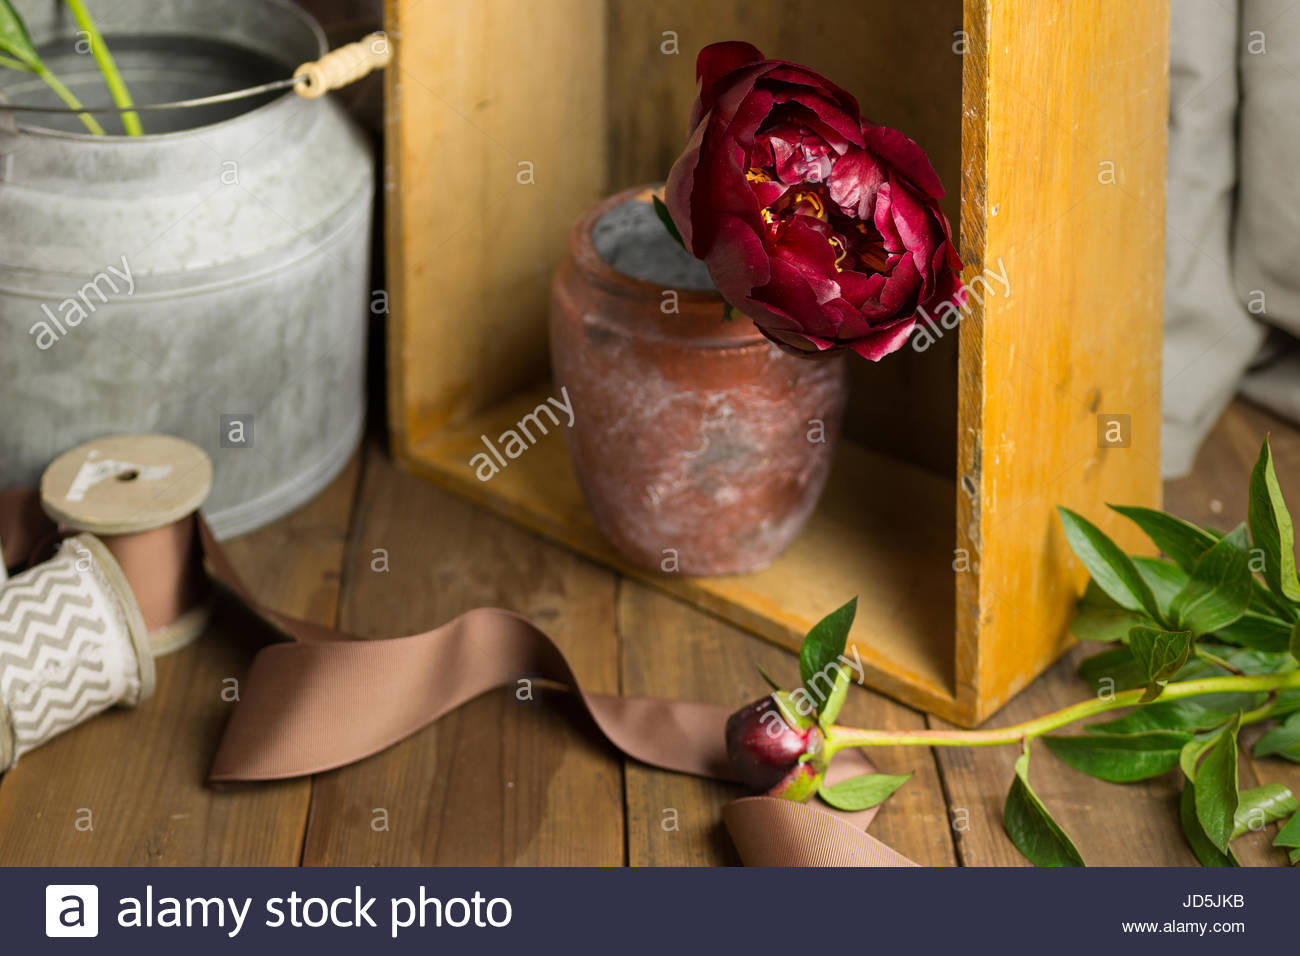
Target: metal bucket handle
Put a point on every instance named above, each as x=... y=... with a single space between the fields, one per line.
x=314 y=79
x=345 y=65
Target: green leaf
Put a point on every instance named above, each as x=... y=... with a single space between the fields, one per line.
x=763 y=674
x=1183 y=541
x=1215 y=786
x=1260 y=806
x=863 y=792
x=1294 y=644
x=1121 y=759
x=1116 y=669
x=1114 y=665
x=1093 y=623
x=1282 y=741
x=14 y=38
x=1163 y=578
x=1110 y=567
x=1098 y=618
x=1271 y=529
x=1258 y=631
x=666 y=218
x=1173 y=715
x=1289 y=835
x=1206 y=852
x=1162 y=655
x=1191 y=753
x=1220 y=586
x=1287 y=702
x=1031 y=827
x=819 y=657
x=1250 y=661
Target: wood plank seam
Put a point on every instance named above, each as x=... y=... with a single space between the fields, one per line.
x=350 y=543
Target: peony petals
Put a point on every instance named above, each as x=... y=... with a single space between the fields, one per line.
x=803 y=244
x=845 y=125
x=798 y=154
x=716 y=61
x=854 y=183
x=783 y=71
x=790 y=292
x=884 y=218
x=882 y=342
x=905 y=156
x=680 y=189
x=796 y=343
x=912 y=220
x=738 y=262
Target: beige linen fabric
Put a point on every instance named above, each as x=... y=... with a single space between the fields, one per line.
x=1233 y=239
x=1266 y=267
x=1210 y=338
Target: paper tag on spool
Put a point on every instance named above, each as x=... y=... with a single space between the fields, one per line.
x=124 y=485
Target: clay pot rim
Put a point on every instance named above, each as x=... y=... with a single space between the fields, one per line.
x=689 y=323
x=595 y=266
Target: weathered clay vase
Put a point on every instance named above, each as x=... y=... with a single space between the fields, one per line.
x=701 y=448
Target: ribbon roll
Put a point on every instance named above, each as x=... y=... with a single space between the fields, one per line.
x=72 y=645
x=138 y=494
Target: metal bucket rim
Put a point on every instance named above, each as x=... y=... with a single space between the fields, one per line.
x=290 y=7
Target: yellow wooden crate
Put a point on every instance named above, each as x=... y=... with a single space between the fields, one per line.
x=1046 y=121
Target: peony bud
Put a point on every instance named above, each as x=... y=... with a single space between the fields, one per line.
x=800 y=783
x=764 y=750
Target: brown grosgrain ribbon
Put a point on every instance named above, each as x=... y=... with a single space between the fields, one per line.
x=325 y=698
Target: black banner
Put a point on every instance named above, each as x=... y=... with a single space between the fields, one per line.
x=661 y=911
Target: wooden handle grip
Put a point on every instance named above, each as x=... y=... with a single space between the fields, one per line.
x=345 y=65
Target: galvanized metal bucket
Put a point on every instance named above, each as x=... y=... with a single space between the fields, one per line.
x=207 y=280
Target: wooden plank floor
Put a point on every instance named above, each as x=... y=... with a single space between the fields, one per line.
x=502 y=781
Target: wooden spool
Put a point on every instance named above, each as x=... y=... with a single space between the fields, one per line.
x=129 y=484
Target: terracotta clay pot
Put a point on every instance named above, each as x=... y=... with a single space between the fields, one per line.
x=701 y=448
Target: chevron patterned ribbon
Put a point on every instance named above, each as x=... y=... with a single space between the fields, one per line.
x=72 y=645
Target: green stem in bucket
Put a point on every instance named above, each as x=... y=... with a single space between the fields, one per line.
x=65 y=94
x=107 y=66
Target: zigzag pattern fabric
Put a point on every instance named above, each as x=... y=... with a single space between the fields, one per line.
x=67 y=650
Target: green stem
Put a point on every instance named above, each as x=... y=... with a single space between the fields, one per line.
x=840 y=738
x=112 y=78
x=14 y=64
x=1216 y=660
x=65 y=94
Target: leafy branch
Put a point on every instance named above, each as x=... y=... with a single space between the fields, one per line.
x=1205 y=641
x=17 y=52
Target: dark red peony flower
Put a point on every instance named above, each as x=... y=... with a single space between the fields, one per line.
x=820 y=226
